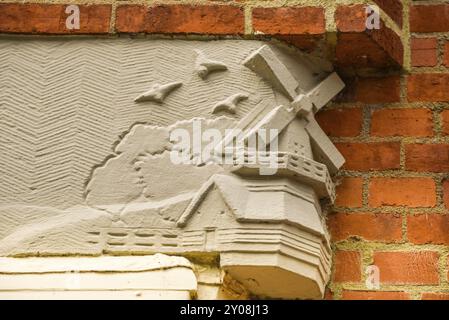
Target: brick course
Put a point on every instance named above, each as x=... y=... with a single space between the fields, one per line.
x=210 y=19
x=290 y=20
x=50 y=18
x=370 y=156
x=408 y=267
x=408 y=192
x=402 y=122
x=382 y=227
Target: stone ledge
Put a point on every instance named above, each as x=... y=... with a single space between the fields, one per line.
x=106 y=277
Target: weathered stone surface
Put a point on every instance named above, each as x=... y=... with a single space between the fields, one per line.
x=107 y=169
x=128 y=277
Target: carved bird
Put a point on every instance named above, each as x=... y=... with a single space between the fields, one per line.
x=158 y=92
x=204 y=66
x=230 y=103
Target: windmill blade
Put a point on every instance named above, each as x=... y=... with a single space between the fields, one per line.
x=276 y=119
x=325 y=91
x=324 y=150
x=264 y=62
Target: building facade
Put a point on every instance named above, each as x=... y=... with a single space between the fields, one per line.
x=96 y=98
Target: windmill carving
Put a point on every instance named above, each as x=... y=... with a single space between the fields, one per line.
x=288 y=196
x=305 y=152
x=267 y=230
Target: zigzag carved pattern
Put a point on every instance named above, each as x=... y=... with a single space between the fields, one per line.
x=64 y=104
x=20 y=108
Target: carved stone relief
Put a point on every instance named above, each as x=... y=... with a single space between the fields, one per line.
x=87 y=144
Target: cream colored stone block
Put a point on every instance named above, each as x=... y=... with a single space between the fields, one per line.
x=125 y=277
x=96 y=295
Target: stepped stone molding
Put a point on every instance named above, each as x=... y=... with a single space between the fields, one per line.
x=88 y=169
x=132 y=277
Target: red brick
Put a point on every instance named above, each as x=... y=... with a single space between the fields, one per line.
x=435 y=296
x=328 y=294
x=402 y=122
x=131 y=18
x=429 y=18
x=374 y=295
x=424 y=52
x=446 y=193
x=431 y=87
x=351 y=18
x=196 y=19
x=289 y=20
x=372 y=227
x=393 y=8
x=409 y=192
x=407 y=267
x=390 y=41
x=349 y=193
x=427 y=157
x=347 y=266
x=428 y=229
x=304 y=42
x=359 y=50
x=345 y=122
x=51 y=18
x=446 y=54
x=445 y=122
x=375 y=90
x=370 y=156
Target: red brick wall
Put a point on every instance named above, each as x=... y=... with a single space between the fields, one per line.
x=391 y=123
x=392 y=209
